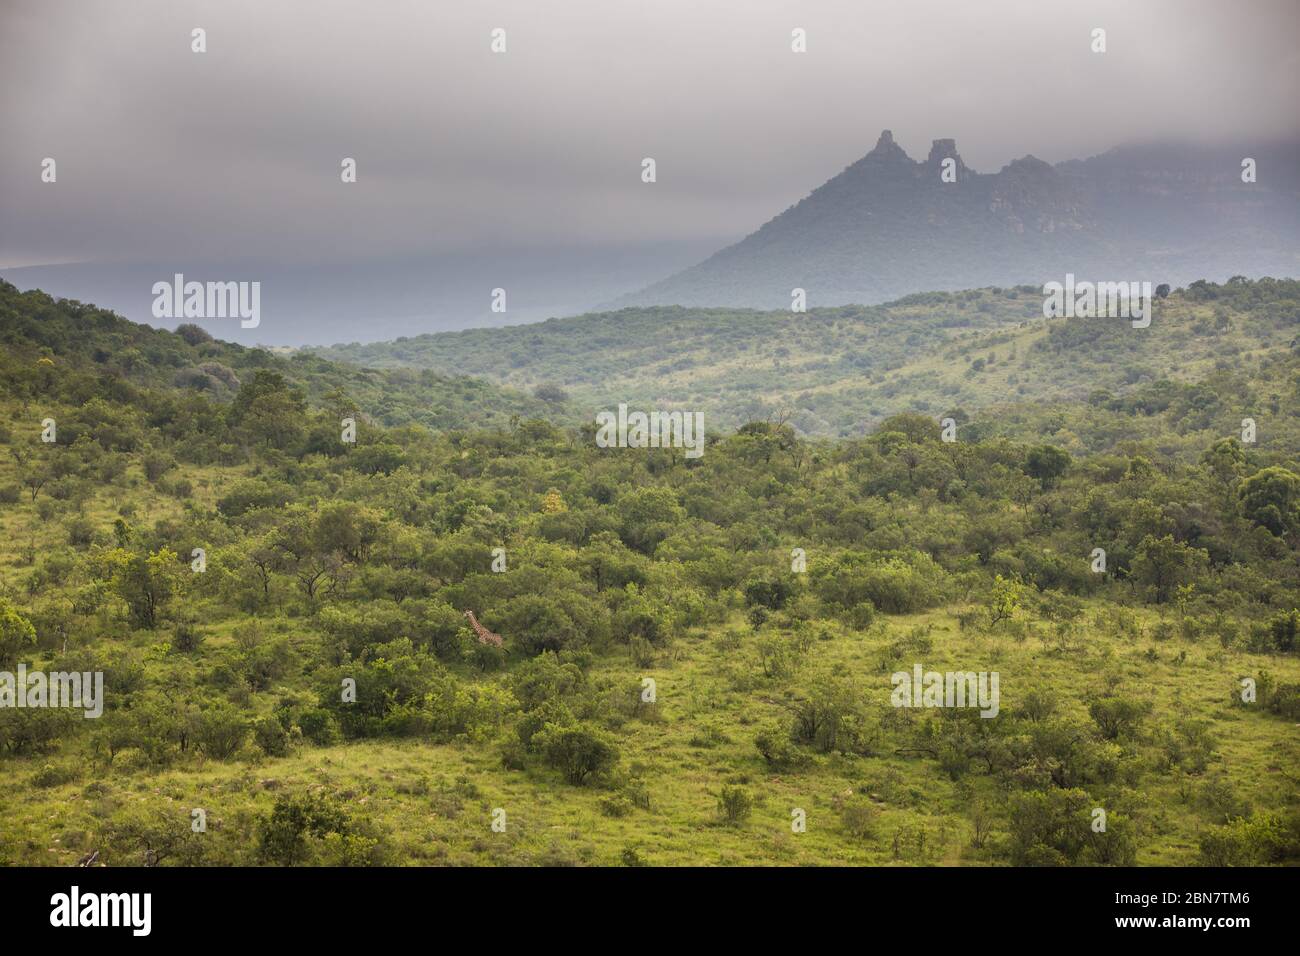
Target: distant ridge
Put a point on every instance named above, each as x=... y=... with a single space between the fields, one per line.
x=889 y=226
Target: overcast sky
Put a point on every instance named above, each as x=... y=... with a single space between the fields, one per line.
x=164 y=153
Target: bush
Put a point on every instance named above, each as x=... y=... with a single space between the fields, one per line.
x=1263 y=838
x=775 y=746
x=271 y=736
x=1118 y=716
x=81 y=532
x=769 y=591
x=157 y=464
x=579 y=751
x=734 y=805
x=282 y=834
x=630 y=856
x=54 y=776
x=902 y=583
x=830 y=719
x=186 y=638
x=1284 y=700
x=34 y=730
x=319 y=726
x=616 y=805
x=219 y=731
x=858 y=815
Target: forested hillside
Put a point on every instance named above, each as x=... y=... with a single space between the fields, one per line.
x=840 y=372
x=103 y=350
x=695 y=652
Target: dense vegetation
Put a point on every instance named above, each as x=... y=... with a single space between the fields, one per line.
x=111 y=357
x=333 y=569
x=988 y=354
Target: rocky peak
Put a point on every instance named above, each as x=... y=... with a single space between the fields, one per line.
x=887 y=149
x=942 y=149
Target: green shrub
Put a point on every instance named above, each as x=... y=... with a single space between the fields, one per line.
x=734 y=805
x=270 y=735
x=579 y=751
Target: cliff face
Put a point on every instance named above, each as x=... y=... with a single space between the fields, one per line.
x=888 y=226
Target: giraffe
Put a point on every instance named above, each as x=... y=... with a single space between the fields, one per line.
x=484 y=635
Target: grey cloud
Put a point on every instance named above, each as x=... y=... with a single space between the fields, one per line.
x=236 y=152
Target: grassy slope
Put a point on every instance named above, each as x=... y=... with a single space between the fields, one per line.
x=436 y=800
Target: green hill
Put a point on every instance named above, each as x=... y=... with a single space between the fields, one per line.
x=101 y=349
x=839 y=372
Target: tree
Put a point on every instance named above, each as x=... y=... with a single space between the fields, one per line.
x=1163 y=564
x=34 y=472
x=1005 y=598
x=16 y=633
x=1047 y=463
x=649 y=514
x=301 y=553
x=1118 y=716
x=346 y=528
x=152 y=834
x=193 y=334
x=1284 y=628
x=830 y=719
x=146 y=582
x=551 y=394
x=378 y=458
x=769 y=590
x=268 y=410
x=1271 y=499
x=1048 y=828
x=1226 y=459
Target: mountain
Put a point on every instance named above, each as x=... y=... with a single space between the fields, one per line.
x=888 y=226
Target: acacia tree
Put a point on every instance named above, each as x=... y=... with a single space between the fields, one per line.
x=35 y=473
x=297 y=544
